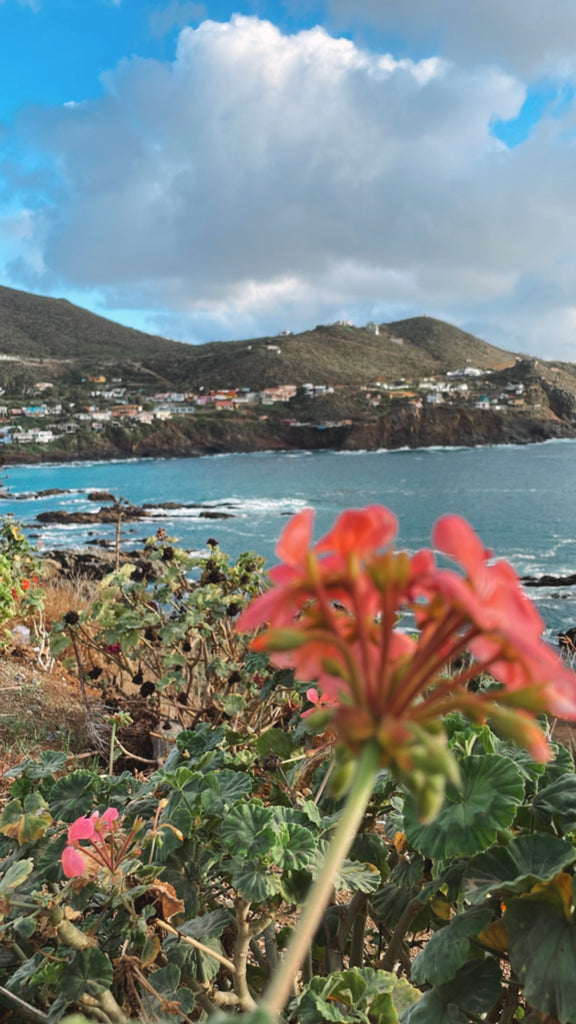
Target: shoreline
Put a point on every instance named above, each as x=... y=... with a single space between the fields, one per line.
x=405 y=427
x=100 y=459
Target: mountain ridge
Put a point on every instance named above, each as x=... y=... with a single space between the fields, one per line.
x=34 y=327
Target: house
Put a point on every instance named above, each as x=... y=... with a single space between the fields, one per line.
x=282 y=393
x=123 y=412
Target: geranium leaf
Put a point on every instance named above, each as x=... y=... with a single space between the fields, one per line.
x=71 y=796
x=542 y=945
x=491 y=789
x=448 y=949
x=274 y=741
x=49 y=762
x=26 y=822
x=249 y=827
x=294 y=848
x=358 y=994
x=473 y=990
x=556 y=804
x=255 y=884
x=15 y=875
x=89 y=971
x=518 y=866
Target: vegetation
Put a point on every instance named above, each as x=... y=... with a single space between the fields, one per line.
x=64 y=341
x=170 y=894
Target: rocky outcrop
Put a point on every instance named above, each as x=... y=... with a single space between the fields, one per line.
x=405 y=425
x=413 y=427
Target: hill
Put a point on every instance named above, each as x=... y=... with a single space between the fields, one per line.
x=72 y=340
x=371 y=388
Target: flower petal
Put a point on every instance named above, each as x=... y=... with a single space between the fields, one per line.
x=73 y=863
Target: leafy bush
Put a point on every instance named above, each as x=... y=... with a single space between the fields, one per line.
x=172 y=897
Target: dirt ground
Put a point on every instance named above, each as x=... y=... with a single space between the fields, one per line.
x=40 y=709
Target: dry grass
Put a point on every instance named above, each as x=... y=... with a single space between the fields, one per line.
x=63 y=595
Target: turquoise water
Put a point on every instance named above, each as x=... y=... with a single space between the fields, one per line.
x=520 y=499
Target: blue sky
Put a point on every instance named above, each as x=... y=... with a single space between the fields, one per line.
x=214 y=170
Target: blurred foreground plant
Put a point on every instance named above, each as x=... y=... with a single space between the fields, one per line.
x=332 y=615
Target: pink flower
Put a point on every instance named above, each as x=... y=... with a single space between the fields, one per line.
x=73 y=862
x=319 y=700
x=96 y=830
x=332 y=615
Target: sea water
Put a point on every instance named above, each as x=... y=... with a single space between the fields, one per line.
x=520 y=499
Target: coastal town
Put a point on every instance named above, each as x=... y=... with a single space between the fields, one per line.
x=45 y=411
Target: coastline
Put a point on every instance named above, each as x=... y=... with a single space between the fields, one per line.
x=404 y=428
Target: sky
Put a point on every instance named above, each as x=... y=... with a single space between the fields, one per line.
x=209 y=170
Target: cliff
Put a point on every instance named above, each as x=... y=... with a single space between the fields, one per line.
x=403 y=427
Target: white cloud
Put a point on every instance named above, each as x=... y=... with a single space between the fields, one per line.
x=175 y=14
x=530 y=37
x=264 y=181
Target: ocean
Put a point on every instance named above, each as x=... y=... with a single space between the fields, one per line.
x=520 y=499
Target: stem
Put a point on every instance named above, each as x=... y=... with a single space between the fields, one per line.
x=29 y=1011
x=241 y=951
x=358 y=931
x=112 y=743
x=391 y=955
x=198 y=945
x=319 y=895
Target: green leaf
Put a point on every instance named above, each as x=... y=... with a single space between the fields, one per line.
x=209 y=925
x=249 y=827
x=58 y=643
x=25 y=927
x=556 y=804
x=49 y=762
x=542 y=946
x=233 y=704
x=199 y=740
x=358 y=877
x=563 y=764
x=26 y=822
x=474 y=990
x=490 y=790
x=274 y=741
x=252 y=882
x=369 y=848
x=518 y=866
x=294 y=848
x=224 y=788
x=70 y=798
x=448 y=949
x=358 y=994
x=15 y=875
x=89 y=971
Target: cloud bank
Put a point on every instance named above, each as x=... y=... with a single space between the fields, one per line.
x=262 y=181
x=529 y=37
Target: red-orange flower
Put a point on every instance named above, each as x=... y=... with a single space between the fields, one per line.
x=333 y=615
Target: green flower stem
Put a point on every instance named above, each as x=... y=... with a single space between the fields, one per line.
x=319 y=895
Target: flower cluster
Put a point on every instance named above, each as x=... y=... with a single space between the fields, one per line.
x=106 y=847
x=333 y=616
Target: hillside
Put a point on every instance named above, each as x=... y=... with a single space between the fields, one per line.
x=71 y=340
x=78 y=386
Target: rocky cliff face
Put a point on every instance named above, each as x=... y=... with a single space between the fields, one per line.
x=404 y=427
x=451 y=426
